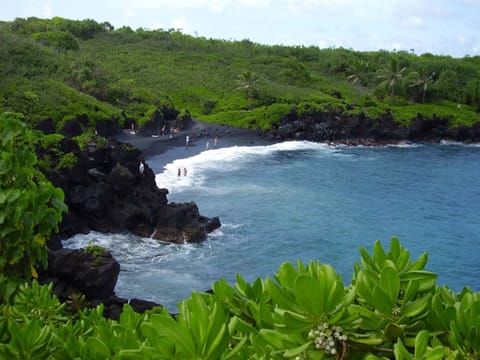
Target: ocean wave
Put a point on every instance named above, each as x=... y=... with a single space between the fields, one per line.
x=225 y=160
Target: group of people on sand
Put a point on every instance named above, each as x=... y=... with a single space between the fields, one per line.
x=207 y=145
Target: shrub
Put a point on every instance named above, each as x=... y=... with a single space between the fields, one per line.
x=392 y=309
x=31 y=206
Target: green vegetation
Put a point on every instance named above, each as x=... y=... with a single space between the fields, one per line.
x=30 y=207
x=392 y=309
x=95 y=251
x=63 y=69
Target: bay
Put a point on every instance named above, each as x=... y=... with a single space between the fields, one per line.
x=300 y=201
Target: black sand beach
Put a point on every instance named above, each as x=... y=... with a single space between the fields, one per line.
x=200 y=133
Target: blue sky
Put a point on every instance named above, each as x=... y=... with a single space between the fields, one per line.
x=442 y=27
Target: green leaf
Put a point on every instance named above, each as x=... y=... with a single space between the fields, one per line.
x=390 y=283
x=286 y=275
x=98 y=347
x=223 y=290
x=366 y=258
x=403 y=261
x=379 y=255
x=292 y=321
x=395 y=248
x=382 y=301
x=416 y=307
x=421 y=342
x=165 y=326
x=365 y=287
x=282 y=297
x=274 y=338
x=297 y=351
x=420 y=263
x=311 y=295
x=436 y=353
x=426 y=279
x=410 y=291
x=217 y=333
x=393 y=331
x=401 y=352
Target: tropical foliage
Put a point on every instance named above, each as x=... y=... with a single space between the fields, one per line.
x=30 y=206
x=63 y=69
x=392 y=309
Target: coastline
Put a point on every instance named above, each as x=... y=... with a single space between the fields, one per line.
x=174 y=147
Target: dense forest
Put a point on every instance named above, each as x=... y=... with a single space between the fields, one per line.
x=61 y=69
x=73 y=78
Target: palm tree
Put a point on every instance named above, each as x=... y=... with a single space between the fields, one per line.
x=357 y=71
x=422 y=80
x=246 y=82
x=391 y=75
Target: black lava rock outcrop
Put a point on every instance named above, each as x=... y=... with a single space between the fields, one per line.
x=106 y=192
x=340 y=127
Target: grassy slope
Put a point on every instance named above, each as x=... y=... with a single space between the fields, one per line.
x=143 y=70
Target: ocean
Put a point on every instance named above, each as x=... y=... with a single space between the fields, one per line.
x=303 y=200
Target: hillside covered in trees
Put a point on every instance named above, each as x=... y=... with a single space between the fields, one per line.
x=61 y=70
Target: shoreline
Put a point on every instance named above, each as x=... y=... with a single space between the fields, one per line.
x=168 y=148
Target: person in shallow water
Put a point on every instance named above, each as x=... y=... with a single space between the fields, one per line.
x=179 y=172
x=184 y=171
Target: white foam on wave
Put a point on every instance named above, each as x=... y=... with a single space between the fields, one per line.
x=457 y=143
x=224 y=159
x=405 y=145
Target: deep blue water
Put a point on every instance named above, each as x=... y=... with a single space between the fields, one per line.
x=300 y=200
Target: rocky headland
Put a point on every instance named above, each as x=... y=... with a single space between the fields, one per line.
x=111 y=189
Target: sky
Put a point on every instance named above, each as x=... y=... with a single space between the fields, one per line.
x=440 y=27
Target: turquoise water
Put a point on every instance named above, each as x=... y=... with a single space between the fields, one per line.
x=301 y=200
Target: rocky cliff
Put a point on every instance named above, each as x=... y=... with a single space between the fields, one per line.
x=340 y=127
x=109 y=188
x=106 y=191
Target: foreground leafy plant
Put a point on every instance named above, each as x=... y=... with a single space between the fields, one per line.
x=391 y=310
x=30 y=206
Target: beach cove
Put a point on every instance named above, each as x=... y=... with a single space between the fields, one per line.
x=299 y=200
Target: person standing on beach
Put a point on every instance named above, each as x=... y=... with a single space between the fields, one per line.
x=179 y=172
x=184 y=171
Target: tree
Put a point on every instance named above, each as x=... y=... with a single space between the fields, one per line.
x=391 y=75
x=62 y=41
x=448 y=86
x=356 y=72
x=30 y=206
x=246 y=82
x=422 y=80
